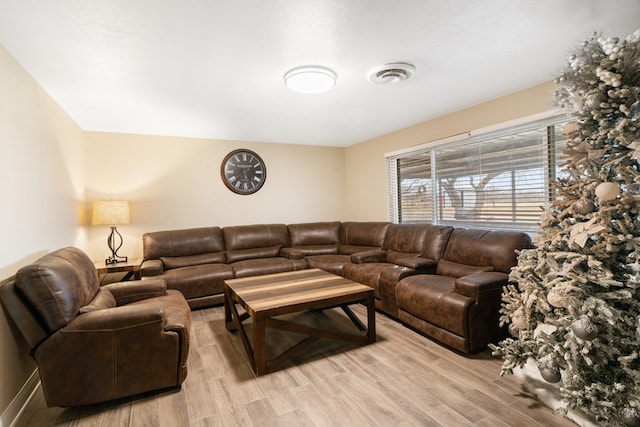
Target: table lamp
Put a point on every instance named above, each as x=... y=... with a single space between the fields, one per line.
x=112 y=213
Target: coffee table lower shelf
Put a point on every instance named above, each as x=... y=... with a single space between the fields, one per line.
x=265 y=297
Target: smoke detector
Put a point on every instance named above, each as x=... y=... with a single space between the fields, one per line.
x=391 y=73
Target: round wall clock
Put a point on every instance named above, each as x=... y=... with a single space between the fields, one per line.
x=243 y=171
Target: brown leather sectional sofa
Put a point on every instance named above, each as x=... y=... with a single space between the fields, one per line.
x=443 y=281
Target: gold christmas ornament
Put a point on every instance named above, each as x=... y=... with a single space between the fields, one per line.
x=607 y=191
x=584 y=206
x=551 y=375
x=592 y=101
x=584 y=329
x=630 y=416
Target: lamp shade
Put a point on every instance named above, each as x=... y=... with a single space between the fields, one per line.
x=110 y=212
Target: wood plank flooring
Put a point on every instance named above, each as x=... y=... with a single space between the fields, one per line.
x=404 y=379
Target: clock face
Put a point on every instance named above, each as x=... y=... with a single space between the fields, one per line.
x=243 y=171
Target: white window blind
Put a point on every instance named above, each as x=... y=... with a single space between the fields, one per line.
x=498 y=179
x=415 y=185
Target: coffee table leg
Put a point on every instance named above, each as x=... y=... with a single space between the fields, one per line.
x=371 y=318
x=259 y=346
x=228 y=319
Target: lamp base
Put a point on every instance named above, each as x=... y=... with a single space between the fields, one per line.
x=112 y=242
x=115 y=259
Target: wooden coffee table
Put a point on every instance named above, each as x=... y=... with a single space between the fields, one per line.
x=265 y=297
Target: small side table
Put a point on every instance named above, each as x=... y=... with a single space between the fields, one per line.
x=130 y=268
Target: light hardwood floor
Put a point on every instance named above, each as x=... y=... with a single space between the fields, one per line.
x=404 y=379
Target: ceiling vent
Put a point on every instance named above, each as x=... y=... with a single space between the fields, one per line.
x=392 y=73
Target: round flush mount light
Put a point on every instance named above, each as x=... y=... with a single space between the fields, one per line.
x=391 y=73
x=310 y=79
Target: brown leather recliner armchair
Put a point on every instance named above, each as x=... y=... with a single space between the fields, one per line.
x=94 y=343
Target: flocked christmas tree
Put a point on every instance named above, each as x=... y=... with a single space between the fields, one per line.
x=576 y=309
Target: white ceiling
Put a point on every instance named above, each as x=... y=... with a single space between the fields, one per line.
x=213 y=68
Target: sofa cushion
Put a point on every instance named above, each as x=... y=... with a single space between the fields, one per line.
x=291 y=253
x=185 y=242
x=436 y=241
x=315 y=238
x=103 y=299
x=354 y=249
x=315 y=234
x=58 y=284
x=253 y=253
x=254 y=241
x=257 y=266
x=361 y=236
x=405 y=238
x=317 y=249
x=330 y=263
x=453 y=269
x=197 y=280
x=485 y=247
x=393 y=256
x=185 y=261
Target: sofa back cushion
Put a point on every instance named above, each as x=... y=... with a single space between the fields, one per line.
x=58 y=284
x=435 y=241
x=169 y=263
x=361 y=236
x=404 y=239
x=484 y=248
x=254 y=241
x=424 y=240
x=453 y=269
x=180 y=243
x=315 y=238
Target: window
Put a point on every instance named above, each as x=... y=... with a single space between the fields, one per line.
x=498 y=179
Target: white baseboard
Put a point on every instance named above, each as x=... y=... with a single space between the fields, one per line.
x=17 y=406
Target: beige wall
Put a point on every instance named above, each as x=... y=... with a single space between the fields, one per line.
x=42 y=184
x=175 y=183
x=365 y=162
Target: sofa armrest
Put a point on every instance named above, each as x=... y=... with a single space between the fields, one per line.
x=292 y=253
x=136 y=290
x=116 y=318
x=376 y=255
x=151 y=267
x=416 y=262
x=475 y=284
x=178 y=318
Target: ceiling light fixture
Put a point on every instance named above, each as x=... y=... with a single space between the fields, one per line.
x=310 y=79
x=391 y=73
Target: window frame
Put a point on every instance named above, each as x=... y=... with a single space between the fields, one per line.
x=542 y=122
